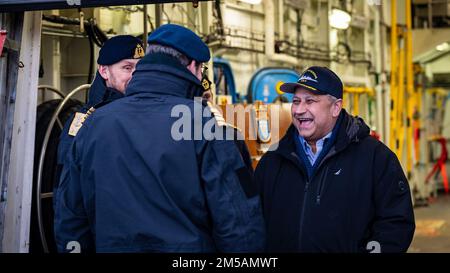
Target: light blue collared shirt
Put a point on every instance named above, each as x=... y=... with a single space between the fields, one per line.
x=319 y=146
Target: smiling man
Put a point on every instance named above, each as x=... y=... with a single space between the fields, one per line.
x=330 y=187
x=116 y=63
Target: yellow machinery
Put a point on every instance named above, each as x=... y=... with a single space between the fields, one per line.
x=405 y=99
x=356 y=92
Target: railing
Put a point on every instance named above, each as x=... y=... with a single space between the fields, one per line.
x=40 y=195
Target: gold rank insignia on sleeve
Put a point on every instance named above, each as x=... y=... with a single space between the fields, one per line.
x=219 y=117
x=139 y=52
x=78 y=121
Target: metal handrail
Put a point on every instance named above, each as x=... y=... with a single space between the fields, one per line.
x=51 y=88
x=41 y=161
x=54 y=90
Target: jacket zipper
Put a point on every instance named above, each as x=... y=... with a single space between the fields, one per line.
x=321 y=185
x=305 y=197
x=302 y=216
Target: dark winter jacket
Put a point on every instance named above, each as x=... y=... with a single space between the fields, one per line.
x=98 y=94
x=357 y=198
x=132 y=187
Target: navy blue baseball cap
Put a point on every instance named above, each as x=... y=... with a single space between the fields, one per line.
x=182 y=39
x=119 y=48
x=319 y=80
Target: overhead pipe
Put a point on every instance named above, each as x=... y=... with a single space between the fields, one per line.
x=269 y=25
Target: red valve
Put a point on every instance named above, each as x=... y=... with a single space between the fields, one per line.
x=440 y=165
x=2 y=40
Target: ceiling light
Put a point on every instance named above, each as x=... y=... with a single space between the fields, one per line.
x=252 y=2
x=339 y=19
x=443 y=47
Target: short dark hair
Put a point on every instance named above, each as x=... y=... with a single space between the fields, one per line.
x=157 y=48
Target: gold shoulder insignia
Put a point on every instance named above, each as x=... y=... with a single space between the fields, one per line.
x=206 y=84
x=233 y=126
x=216 y=114
x=78 y=121
x=139 y=52
x=219 y=117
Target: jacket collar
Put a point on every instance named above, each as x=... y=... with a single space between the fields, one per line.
x=163 y=75
x=351 y=129
x=98 y=92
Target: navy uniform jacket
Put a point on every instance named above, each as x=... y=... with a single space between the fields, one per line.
x=98 y=94
x=133 y=188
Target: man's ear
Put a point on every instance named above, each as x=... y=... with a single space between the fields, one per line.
x=192 y=67
x=195 y=68
x=336 y=108
x=103 y=70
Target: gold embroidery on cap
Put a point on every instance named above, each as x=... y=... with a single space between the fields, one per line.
x=138 y=52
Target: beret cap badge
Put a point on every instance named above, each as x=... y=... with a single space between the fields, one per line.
x=139 y=52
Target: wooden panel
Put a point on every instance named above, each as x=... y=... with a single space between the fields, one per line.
x=8 y=79
x=20 y=181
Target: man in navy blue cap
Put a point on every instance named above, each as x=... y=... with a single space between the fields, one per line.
x=329 y=186
x=135 y=187
x=116 y=62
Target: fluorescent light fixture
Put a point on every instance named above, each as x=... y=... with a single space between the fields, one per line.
x=339 y=19
x=252 y=2
x=443 y=47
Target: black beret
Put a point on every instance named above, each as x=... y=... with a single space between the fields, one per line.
x=119 y=48
x=182 y=39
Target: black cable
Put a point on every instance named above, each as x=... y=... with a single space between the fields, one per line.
x=190 y=20
x=218 y=13
x=98 y=36
x=151 y=24
x=91 y=64
x=62 y=20
x=165 y=13
x=90 y=31
x=101 y=36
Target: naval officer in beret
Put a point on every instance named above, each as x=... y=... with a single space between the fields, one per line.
x=116 y=62
x=134 y=187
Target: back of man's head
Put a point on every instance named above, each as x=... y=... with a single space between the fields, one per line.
x=181 y=39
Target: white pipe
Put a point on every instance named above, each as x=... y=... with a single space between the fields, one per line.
x=269 y=25
x=280 y=19
x=378 y=88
